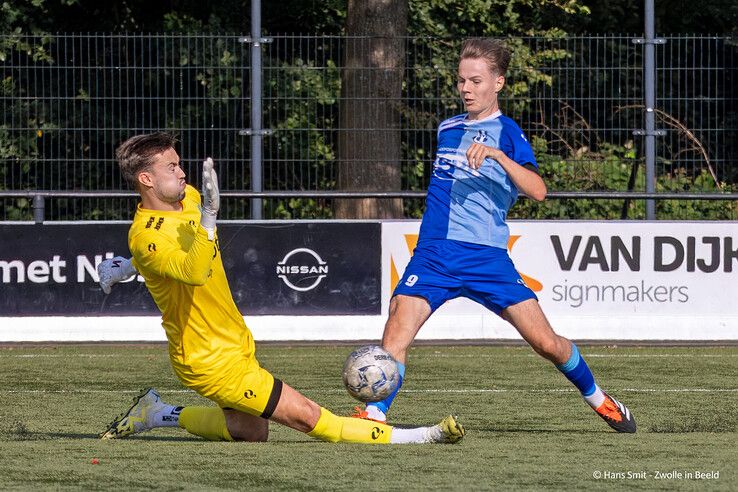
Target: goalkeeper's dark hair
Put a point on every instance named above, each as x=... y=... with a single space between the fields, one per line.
x=493 y=51
x=134 y=155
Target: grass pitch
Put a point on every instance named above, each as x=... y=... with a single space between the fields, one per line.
x=526 y=426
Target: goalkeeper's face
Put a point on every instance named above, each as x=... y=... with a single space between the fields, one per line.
x=165 y=177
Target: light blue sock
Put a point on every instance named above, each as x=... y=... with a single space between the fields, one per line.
x=385 y=404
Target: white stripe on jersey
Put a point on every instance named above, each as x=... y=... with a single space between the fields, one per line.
x=451 y=122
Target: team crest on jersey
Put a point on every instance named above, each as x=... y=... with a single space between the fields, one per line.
x=481 y=137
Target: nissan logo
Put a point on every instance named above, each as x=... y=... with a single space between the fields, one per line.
x=302 y=269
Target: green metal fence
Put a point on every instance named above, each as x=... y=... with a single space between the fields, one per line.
x=69 y=99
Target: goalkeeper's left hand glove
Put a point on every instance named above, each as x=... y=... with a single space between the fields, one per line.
x=114 y=270
x=210 y=198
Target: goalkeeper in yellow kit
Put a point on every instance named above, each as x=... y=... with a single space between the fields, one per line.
x=175 y=248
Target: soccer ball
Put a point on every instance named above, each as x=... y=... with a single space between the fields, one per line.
x=370 y=373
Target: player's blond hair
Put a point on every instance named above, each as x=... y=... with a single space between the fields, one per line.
x=134 y=155
x=493 y=51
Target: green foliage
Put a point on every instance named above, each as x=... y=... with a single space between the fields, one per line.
x=302 y=98
x=680 y=180
x=304 y=105
x=18 y=19
x=610 y=170
x=181 y=22
x=302 y=208
x=455 y=20
x=465 y=18
x=304 y=16
x=19 y=148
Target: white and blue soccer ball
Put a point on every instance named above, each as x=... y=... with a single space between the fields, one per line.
x=370 y=373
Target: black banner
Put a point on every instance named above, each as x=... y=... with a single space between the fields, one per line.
x=273 y=269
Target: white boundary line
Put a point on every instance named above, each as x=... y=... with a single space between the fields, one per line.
x=419 y=391
x=437 y=356
x=447 y=327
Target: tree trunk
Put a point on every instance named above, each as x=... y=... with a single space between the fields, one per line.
x=369 y=150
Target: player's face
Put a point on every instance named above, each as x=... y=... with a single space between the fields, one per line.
x=478 y=87
x=166 y=177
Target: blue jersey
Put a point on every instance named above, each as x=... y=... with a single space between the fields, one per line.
x=471 y=205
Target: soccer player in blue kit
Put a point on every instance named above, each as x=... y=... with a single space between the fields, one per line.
x=482 y=163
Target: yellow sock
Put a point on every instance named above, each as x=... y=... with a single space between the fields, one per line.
x=207 y=422
x=345 y=429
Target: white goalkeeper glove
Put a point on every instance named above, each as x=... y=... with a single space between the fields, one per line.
x=114 y=270
x=210 y=198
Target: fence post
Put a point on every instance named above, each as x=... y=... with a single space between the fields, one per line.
x=650 y=96
x=649 y=81
x=256 y=94
x=39 y=206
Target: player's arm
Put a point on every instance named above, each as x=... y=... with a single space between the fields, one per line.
x=163 y=258
x=526 y=180
x=158 y=254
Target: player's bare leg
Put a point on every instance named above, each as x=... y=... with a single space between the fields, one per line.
x=406 y=315
x=528 y=318
x=244 y=427
x=295 y=410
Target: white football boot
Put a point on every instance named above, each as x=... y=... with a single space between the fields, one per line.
x=138 y=418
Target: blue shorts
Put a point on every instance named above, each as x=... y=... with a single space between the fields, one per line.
x=444 y=269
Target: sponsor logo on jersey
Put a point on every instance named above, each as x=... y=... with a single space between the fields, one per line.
x=443 y=169
x=151 y=220
x=302 y=269
x=444 y=165
x=248 y=394
x=480 y=137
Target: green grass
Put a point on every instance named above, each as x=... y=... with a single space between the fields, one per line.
x=526 y=427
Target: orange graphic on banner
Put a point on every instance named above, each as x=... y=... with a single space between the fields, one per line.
x=412 y=241
x=532 y=283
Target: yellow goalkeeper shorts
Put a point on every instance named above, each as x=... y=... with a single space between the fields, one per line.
x=239 y=384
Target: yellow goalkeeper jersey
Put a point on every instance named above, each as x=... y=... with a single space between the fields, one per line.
x=184 y=273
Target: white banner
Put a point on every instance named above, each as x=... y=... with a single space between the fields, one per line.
x=601 y=280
